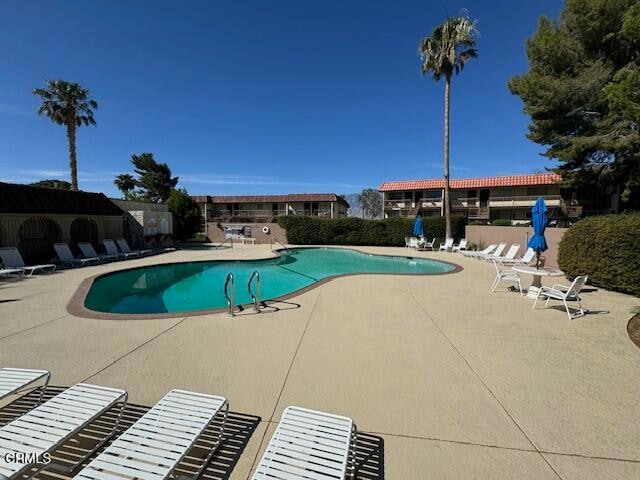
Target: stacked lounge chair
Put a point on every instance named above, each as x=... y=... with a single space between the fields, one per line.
x=111 y=249
x=89 y=252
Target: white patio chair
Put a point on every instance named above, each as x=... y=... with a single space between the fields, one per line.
x=11 y=258
x=406 y=242
x=89 y=252
x=448 y=243
x=528 y=256
x=475 y=253
x=124 y=246
x=308 y=444
x=154 y=445
x=426 y=245
x=507 y=275
x=16 y=380
x=111 y=249
x=48 y=426
x=496 y=253
x=65 y=256
x=510 y=255
x=561 y=292
x=460 y=247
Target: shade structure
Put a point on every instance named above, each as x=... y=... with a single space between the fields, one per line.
x=539 y=222
x=417 y=226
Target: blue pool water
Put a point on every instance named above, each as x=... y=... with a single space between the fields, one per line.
x=184 y=287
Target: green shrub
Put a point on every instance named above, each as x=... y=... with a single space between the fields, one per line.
x=606 y=249
x=501 y=222
x=303 y=230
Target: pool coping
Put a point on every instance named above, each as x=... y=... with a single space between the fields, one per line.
x=76 y=305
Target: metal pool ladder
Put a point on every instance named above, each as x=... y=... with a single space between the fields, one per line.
x=278 y=241
x=230 y=240
x=231 y=299
x=256 y=297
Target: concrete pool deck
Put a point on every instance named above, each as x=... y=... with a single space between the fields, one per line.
x=458 y=382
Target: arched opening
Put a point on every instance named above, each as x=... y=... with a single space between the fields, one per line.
x=83 y=230
x=36 y=237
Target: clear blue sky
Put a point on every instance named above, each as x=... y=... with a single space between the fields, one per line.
x=263 y=96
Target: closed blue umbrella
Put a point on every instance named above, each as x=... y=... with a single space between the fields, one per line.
x=417 y=226
x=539 y=222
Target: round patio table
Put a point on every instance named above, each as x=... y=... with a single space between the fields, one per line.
x=537 y=273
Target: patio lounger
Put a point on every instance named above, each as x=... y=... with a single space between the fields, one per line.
x=89 y=252
x=15 y=380
x=48 y=426
x=560 y=292
x=476 y=253
x=308 y=444
x=496 y=253
x=124 y=246
x=528 y=256
x=448 y=243
x=111 y=248
x=11 y=258
x=460 y=247
x=5 y=272
x=154 y=446
x=424 y=245
x=66 y=257
x=505 y=274
x=510 y=255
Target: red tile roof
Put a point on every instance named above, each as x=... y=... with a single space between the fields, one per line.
x=292 y=197
x=477 y=182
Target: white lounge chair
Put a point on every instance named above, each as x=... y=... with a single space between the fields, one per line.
x=51 y=424
x=560 y=292
x=111 y=249
x=11 y=258
x=124 y=246
x=475 y=253
x=505 y=274
x=528 y=256
x=65 y=257
x=308 y=444
x=6 y=272
x=495 y=254
x=460 y=247
x=15 y=380
x=154 y=446
x=510 y=255
x=89 y=252
x=448 y=244
x=426 y=245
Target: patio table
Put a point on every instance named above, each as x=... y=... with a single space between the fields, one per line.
x=537 y=273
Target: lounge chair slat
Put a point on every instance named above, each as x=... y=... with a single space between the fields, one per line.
x=153 y=446
x=49 y=425
x=307 y=444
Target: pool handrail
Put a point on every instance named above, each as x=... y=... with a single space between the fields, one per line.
x=278 y=241
x=231 y=300
x=230 y=240
x=255 y=298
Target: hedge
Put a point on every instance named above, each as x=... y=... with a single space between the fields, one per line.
x=605 y=248
x=304 y=230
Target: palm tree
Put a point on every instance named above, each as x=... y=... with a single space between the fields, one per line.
x=125 y=183
x=443 y=54
x=69 y=104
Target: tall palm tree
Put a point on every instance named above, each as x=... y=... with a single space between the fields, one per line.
x=443 y=54
x=125 y=183
x=67 y=103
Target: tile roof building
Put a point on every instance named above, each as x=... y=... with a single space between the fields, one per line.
x=481 y=198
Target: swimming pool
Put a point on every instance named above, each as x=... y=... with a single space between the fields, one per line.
x=197 y=286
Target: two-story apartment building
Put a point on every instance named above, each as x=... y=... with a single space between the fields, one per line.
x=490 y=198
x=266 y=208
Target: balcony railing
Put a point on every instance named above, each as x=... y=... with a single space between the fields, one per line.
x=524 y=200
x=474 y=202
x=266 y=214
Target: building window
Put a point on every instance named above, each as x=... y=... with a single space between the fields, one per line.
x=152 y=226
x=164 y=225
